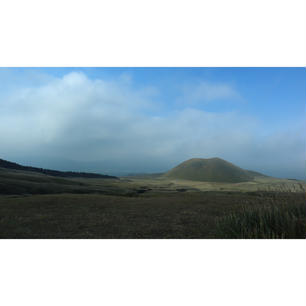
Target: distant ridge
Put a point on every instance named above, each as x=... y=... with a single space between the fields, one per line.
x=211 y=170
x=14 y=166
x=145 y=175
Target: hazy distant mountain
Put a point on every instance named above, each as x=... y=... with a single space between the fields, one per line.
x=211 y=170
x=14 y=166
x=145 y=175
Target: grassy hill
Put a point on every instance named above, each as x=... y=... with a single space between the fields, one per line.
x=14 y=166
x=210 y=170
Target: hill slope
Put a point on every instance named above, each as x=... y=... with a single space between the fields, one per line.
x=210 y=170
x=9 y=165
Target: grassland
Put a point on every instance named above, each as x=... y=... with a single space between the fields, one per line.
x=194 y=215
x=34 y=205
x=273 y=220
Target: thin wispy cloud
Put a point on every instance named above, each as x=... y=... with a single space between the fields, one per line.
x=205 y=92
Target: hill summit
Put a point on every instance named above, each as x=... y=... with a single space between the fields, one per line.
x=210 y=170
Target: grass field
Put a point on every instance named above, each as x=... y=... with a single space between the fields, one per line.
x=38 y=206
x=274 y=220
x=184 y=215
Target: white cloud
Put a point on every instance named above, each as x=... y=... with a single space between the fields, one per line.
x=207 y=92
x=106 y=125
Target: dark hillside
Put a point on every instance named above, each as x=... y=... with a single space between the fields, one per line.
x=15 y=166
x=256 y=174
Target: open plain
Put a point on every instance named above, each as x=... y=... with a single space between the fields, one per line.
x=36 y=205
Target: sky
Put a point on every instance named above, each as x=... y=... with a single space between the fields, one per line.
x=144 y=120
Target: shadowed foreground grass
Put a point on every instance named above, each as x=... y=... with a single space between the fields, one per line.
x=171 y=215
x=268 y=221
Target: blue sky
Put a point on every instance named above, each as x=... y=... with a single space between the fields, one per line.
x=150 y=119
x=263 y=89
